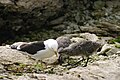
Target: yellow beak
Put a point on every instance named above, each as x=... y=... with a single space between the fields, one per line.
x=56 y=53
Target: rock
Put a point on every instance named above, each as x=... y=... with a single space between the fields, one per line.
x=98 y=14
x=56 y=21
x=99 y=4
x=118 y=52
x=109 y=26
x=51 y=60
x=35 y=76
x=25 y=78
x=64 y=77
x=19 y=17
x=103 y=28
x=109 y=49
x=106 y=38
x=113 y=51
x=88 y=36
x=113 y=4
x=99 y=70
x=77 y=39
x=28 y=5
x=71 y=28
x=105 y=48
x=92 y=29
x=1 y=68
x=117 y=44
x=59 y=27
x=109 y=4
x=9 y=56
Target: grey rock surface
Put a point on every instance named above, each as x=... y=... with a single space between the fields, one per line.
x=99 y=70
x=8 y=56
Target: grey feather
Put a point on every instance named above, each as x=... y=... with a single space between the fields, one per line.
x=85 y=48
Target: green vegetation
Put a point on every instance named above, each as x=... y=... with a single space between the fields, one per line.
x=115 y=40
x=19 y=68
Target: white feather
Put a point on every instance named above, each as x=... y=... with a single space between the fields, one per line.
x=51 y=47
x=40 y=55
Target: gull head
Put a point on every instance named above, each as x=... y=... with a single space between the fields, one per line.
x=52 y=45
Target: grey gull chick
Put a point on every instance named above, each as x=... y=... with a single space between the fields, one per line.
x=39 y=50
x=85 y=48
x=63 y=42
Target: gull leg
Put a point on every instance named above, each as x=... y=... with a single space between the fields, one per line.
x=82 y=61
x=62 y=58
x=86 y=62
x=79 y=61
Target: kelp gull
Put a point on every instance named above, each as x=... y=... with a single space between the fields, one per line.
x=39 y=50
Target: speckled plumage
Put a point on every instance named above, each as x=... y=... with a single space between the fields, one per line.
x=84 y=48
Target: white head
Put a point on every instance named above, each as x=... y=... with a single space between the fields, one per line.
x=52 y=45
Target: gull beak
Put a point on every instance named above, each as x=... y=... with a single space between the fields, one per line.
x=56 y=53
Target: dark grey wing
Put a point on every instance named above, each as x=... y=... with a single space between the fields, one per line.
x=33 y=47
x=83 y=48
x=88 y=47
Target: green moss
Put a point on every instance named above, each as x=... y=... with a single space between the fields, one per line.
x=116 y=41
x=19 y=68
x=39 y=66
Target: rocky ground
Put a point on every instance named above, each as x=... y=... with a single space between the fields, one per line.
x=24 y=20
x=31 y=20
x=105 y=65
